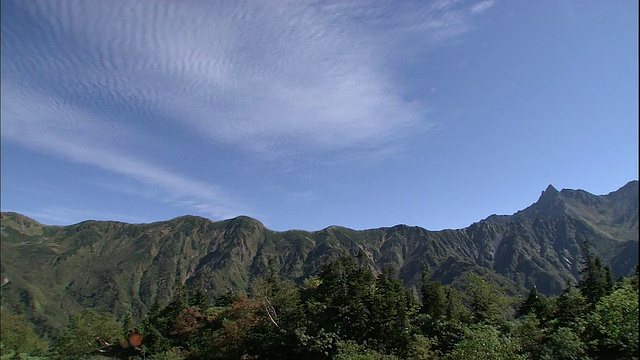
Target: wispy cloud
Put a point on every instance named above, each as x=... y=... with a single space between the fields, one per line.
x=86 y=80
x=66 y=216
x=250 y=75
x=482 y=6
x=83 y=138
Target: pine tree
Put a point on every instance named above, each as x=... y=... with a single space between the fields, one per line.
x=345 y=294
x=154 y=329
x=487 y=302
x=530 y=304
x=390 y=315
x=571 y=307
x=198 y=296
x=595 y=281
x=433 y=299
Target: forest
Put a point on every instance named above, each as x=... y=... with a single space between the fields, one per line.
x=347 y=312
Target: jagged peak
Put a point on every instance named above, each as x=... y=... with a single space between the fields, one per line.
x=548 y=195
x=551 y=188
x=549 y=192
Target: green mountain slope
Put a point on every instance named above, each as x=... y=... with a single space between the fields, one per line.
x=50 y=272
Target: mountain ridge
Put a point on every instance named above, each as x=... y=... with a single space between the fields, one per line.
x=121 y=268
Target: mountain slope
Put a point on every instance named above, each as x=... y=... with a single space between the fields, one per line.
x=615 y=215
x=112 y=266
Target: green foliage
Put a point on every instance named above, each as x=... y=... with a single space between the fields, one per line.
x=53 y=265
x=531 y=336
x=345 y=293
x=18 y=338
x=350 y=350
x=486 y=342
x=392 y=310
x=198 y=297
x=570 y=308
x=422 y=348
x=487 y=302
x=596 y=282
x=127 y=326
x=154 y=329
x=171 y=354
x=434 y=301
x=87 y=332
x=564 y=344
x=347 y=313
x=613 y=326
x=455 y=308
x=280 y=317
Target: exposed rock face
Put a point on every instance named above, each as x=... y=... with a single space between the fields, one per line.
x=112 y=266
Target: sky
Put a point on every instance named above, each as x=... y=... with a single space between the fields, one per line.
x=307 y=114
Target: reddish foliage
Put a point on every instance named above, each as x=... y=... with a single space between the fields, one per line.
x=135 y=340
x=187 y=321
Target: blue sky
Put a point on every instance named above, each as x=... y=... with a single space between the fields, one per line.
x=306 y=114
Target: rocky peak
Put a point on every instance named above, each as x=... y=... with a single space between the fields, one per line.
x=548 y=195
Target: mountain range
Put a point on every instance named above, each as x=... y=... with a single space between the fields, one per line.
x=49 y=272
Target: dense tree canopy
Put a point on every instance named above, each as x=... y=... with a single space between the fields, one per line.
x=348 y=312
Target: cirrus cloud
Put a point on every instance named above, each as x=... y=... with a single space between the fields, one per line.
x=85 y=80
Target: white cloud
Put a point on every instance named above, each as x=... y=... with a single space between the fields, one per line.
x=85 y=80
x=79 y=137
x=482 y=6
x=301 y=75
x=60 y=215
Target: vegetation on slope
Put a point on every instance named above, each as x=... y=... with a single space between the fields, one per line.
x=348 y=313
x=50 y=273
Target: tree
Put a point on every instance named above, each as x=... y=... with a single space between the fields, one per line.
x=391 y=313
x=564 y=343
x=531 y=335
x=350 y=350
x=179 y=301
x=281 y=317
x=433 y=299
x=238 y=322
x=612 y=328
x=595 y=281
x=127 y=326
x=535 y=303
x=487 y=302
x=185 y=326
x=198 y=296
x=345 y=293
x=455 y=309
x=88 y=332
x=484 y=341
x=17 y=336
x=154 y=329
x=570 y=308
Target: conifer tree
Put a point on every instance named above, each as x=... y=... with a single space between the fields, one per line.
x=198 y=296
x=433 y=299
x=571 y=307
x=345 y=291
x=595 y=281
x=390 y=315
x=530 y=304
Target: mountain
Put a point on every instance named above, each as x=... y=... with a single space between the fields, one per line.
x=615 y=215
x=49 y=272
